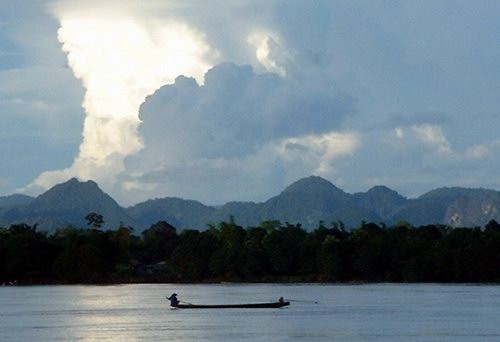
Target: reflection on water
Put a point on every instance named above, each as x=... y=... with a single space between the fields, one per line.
x=377 y=312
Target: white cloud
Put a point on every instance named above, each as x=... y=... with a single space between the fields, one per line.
x=429 y=138
x=477 y=152
x=483 y=151
x=120 y=58
x=269 y=51
x=433 y=137
x=319 y=151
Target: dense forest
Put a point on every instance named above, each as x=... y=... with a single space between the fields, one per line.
x=272 y=252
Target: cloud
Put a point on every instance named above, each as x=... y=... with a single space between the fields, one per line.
x=237 y=109
x=40 y=120
x=477 y=152
x=415 y=158
x=270 y=52
x=433 y=138
x=40 y=128
x=319 y=150
x=250 y=128
x=313 y=64
x=482 y=151
x=120 y=58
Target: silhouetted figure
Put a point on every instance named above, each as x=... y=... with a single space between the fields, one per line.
x=173 y=299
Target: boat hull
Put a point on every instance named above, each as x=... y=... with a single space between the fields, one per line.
x=233 y=306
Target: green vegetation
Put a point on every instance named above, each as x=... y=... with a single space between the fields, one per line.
x=270 y=252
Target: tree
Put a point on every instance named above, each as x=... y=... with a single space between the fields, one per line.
x=283 y=247
x=159 y=241
x=94 y=220
x=27 y=254
x=190 y=260
x=492 y=226
x=229 y=259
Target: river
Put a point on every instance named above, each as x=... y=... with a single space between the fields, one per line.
x=344 y=312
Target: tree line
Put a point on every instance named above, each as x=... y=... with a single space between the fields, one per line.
x=272 y=251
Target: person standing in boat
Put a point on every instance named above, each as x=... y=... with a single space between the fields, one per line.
x=173 y=299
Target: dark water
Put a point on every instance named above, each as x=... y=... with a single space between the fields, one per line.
x=376 y=312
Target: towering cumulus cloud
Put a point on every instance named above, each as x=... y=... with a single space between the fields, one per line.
x=255 y=109
x=121 y=54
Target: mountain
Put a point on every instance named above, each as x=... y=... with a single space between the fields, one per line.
x=382 y=201
x=15 y=200
x=465 y=207
x=67 y=204
x=247 y=213
x=313 y=199
x=310 y=200
x=306 y=201
x=10 y=204
x=178 y=212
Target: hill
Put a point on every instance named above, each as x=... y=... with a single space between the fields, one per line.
x=307 y=201
x=67 y=204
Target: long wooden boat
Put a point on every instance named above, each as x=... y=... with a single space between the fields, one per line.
x=233 y=306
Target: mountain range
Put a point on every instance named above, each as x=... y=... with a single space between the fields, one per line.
x=307 y=201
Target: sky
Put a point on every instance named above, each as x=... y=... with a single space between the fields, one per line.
x=234 y=100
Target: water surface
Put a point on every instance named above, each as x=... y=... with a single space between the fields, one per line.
x=373 y=312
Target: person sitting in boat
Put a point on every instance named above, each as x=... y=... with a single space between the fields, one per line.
x=281 y=300
x=173 y=299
